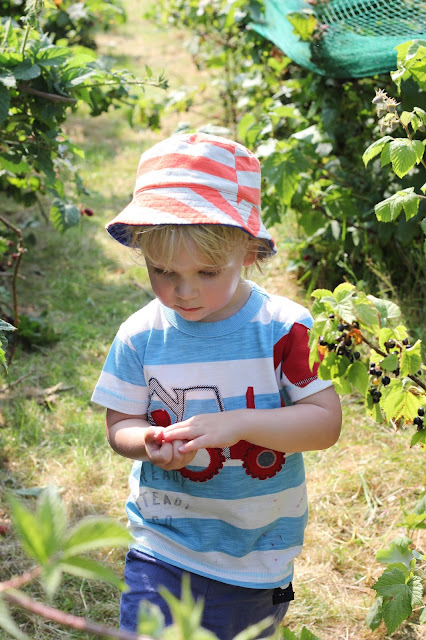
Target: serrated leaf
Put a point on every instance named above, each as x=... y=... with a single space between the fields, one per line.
x=398 y=551
x=358 y=376
x=95 y=533
x=8 y=624
x=320 y=293
x=342 y=290
x=27 y=527
x=52 y=519
x=374 y=149
x=92 y=570
x=396 y=611
x=390 y=363
x=287 y=634
x=388 y=210
x=418 y=437
x=391 y=583
x=399 y=403
x=388 y=310
x=26 y=70
x=404 y=154
x=64 y=214
x=420 y=506
x=375 y=614
x=411 y=359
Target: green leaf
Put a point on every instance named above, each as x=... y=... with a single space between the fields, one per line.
x=95 y=533
x=411 y=359
x=419 y=436
x=8 y=624
x=397 y=610
x=400 y=403
x=283 y=170
x=64 y=214
x=375 y=614
x=51 y=578
x=6 y=326
x=308 y=635
x=387 y=309
x=405 y=154
x=304 y=24
x=92 y=570
x=4 y=103
x=287 y=634
x=374 y=149
x=390 y=363
x=388 y=210
x=6 y=162
x=51 y=519
x=29 y=532
x=420 y=506
x=26 y=70
x=398 y=551
x=358 y=376
x=150 y=620
x=53 y=56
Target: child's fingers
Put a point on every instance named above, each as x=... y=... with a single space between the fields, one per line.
x=160 y=455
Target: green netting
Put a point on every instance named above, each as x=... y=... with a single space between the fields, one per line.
x=354 y=38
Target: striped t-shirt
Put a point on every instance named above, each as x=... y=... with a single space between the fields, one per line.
x=236 y=514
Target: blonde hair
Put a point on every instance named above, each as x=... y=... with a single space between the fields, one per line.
x=214 y=242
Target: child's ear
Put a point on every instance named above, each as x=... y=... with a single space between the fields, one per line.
x=249 y=258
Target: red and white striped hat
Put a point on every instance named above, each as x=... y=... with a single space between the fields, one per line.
x=195 y=178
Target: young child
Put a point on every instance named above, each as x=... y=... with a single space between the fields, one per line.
x=208 y=390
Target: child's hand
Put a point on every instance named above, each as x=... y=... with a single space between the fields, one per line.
x=207 y=430
x=166 y=455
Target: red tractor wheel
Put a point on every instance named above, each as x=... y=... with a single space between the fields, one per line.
x=263 y=463
x=216 y=463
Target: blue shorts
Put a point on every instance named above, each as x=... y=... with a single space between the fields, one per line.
x=228 y=609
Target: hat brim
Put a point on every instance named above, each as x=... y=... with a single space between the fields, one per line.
x=184 y=205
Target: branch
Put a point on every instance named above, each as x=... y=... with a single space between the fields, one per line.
x=67 y=619
x=19 y=581
x=382 y=353
x=53 y=97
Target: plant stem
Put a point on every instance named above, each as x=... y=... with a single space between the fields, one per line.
x=67 y=619
x=20 y=250
x=382 y=353
x=19 y=581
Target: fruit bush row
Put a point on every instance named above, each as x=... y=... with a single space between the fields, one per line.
x=42 y=80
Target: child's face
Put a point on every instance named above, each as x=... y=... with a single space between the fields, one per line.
x=199 y=292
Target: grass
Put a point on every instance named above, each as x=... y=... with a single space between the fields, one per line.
x=87 y=285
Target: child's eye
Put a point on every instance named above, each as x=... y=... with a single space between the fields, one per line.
x=209 y=274
x=162 y=272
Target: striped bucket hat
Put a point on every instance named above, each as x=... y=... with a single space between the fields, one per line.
x=195 y=179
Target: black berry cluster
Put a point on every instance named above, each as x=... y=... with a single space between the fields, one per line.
x=344 y=343
x=418 y=420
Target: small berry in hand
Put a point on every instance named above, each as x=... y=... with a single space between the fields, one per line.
x=421 y=411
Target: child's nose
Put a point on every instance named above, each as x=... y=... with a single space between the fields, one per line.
x=185 y=290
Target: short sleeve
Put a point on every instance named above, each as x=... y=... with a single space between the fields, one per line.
x=121 y=385
x=292 y=356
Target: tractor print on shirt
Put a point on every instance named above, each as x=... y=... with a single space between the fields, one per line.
x=258 y=462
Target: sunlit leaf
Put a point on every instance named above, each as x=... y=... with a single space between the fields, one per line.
x=95 y=533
